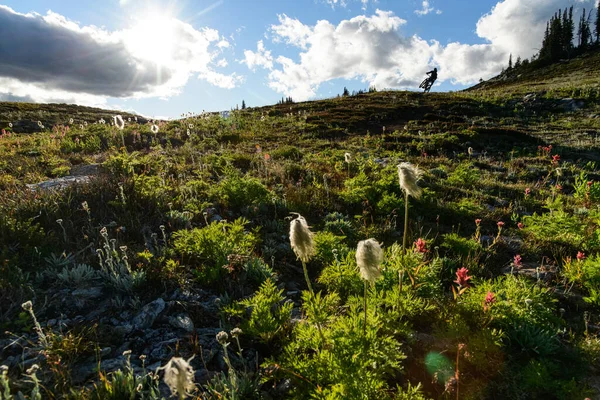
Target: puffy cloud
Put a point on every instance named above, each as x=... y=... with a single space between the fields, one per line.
x=221 y=80
x=57 y=56
x=427 y=8
x=518 y=26
x=367 y=48
x=344 y=3
x=261 y=58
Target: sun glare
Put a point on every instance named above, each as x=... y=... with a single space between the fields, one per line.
x=153 y=38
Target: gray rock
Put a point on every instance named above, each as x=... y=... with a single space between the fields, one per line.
x=59 y=183
x=149 y=313
x=182 y=321
x=88 y=293
x=569 y=104
x=105 y=351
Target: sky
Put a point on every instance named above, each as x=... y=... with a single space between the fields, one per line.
x=162 y=58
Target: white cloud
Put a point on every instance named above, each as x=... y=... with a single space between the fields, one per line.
x=344 y=3
x=427 y=8
x=261 y=58
x=291 y=31
x=518 y=26
x=221 y=80
x=155 y=57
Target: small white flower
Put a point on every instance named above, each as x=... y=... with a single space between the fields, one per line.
x=154 y=129
x=10 y=125
x=408 y=175
x=179 y=376
x=347 y=157
x=301 y=239
x=369 y=256
x=40 y=124
x=222 y=338
x=27 y=306
x=71 y=121
x=119 y=123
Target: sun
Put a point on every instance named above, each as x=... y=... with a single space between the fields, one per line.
x=153 y=38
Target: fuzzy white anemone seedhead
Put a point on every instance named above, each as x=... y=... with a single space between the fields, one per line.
x=179 y=376
x=408 y=175
x=154 y=128
x=119 y=123
x=347 y=157
x=301 y=239
x=369 y=256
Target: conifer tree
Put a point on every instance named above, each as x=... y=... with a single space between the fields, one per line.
x=510 y=64
x=598 y=22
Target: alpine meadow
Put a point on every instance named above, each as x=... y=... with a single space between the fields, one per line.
x=383 y=243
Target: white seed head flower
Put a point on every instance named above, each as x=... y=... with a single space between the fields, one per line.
x=10 y=125
x=236 y=332
x=559 y=172
x=85 y=123
x=222 y=338
x=80 y=126
x=33 y=369
x=369 y=256
x=470 y=151
x=40 y=124
x=347 y=157
x=27 y=306
x=179 y=376
x=71 y=120
x=408 y=175
x=127 y=353
x=119 y=123
x=301 y=239
x=102 y=121
x=154 y=129
x=191 y=126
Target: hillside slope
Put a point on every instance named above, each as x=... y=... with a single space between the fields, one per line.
x=25 y=116
x=176 y=243
x=581 y=73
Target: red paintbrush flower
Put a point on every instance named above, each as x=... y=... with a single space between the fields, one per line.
x=421 y=246
x=462 y=277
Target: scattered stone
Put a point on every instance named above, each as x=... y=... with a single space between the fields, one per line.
x=88 y=293
x=182 y=321
x=569 y=104
x=146 y=317
x=59 y=183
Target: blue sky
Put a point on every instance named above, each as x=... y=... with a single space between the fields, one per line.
x=176 y=56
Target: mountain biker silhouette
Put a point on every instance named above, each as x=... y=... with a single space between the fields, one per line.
x=428 y=82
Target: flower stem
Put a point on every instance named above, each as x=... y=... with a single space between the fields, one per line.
x=365 y=325
x=307 y=279
x=405 y=221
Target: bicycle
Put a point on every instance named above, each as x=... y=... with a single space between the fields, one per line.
x=426 y=85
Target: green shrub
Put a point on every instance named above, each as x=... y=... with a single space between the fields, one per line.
x=266 y=315
x=208 y=249
x=238 y=193
x=465 y=174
